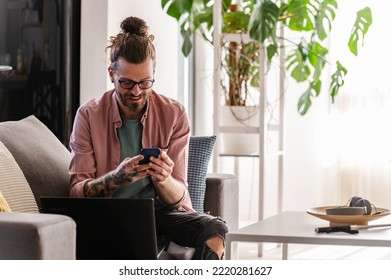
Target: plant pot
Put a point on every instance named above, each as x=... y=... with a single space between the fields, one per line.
x=239 y=143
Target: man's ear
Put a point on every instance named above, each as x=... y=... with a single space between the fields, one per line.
x=111 y=73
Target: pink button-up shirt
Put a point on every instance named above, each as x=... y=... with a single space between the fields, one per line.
x=95 y=145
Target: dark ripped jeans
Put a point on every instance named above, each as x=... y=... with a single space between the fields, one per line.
x=191 y=229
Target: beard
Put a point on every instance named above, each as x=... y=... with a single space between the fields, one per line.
x=134 y=107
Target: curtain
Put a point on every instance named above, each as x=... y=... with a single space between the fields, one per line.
x=358 y=160
x=357 y=128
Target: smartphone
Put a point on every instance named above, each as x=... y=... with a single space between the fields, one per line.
x=148 y=152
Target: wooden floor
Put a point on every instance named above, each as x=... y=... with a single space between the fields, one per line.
x=249 y=251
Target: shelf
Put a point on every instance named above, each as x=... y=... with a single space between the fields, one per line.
x=246 y=129
x=254 y=132
x=268 y=155
x=255 y=135
x=238 y=129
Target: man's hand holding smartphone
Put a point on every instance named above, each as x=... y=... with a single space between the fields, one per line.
x=149 y=152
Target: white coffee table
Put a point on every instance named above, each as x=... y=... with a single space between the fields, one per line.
x=299 y=227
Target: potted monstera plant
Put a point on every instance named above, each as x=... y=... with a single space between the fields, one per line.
x=310 y=20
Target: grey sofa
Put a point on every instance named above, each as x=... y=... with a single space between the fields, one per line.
x=44 y=163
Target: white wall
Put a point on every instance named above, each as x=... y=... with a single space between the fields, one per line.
x=101 y=19
x=203 y=80
x=92 y=45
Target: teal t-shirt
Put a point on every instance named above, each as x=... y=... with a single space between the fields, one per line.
x=130 y=134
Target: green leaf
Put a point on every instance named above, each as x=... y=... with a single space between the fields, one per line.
x=164 y=3
x=316 y=86
x=316 y=52
x=271 y=51
x=337 y=80
x=297 y=65
x=361 y=25
x=192 y=16
x=187 y=45
x=304 y=102
x=263 y=21
x=317 y=58
x=299 y=14
x=325 y=15
x=176 y=8
x=203 y=17
x=303 y=49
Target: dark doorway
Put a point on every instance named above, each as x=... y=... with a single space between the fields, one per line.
x=40 y=39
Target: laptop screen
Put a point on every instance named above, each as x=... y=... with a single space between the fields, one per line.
x=108 y=228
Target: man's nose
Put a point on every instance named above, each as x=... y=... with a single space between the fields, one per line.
x=136 y=91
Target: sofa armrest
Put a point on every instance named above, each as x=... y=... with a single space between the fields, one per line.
x=222 y=198
x=33 y=236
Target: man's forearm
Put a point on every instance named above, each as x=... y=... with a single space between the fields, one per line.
x=171 y=191
x=105 y=185
x=101 y=186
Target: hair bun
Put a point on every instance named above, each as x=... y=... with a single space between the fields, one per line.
x=134 y=25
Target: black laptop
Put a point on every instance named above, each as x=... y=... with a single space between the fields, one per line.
x=109 y=228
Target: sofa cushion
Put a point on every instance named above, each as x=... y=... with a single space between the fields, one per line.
x=13 y=184
x=200 y=151
x=42 y=157
x=4 y=207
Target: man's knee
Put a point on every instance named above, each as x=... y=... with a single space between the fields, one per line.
x=214 y=245
x=216 y=226
x=209 y=254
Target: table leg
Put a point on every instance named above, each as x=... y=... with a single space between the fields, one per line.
x=284 y=251
x=260 y=250
x=227 y=249
x=234 y=251
x=231 y=250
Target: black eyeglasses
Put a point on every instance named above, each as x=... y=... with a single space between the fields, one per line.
x=129 y=84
